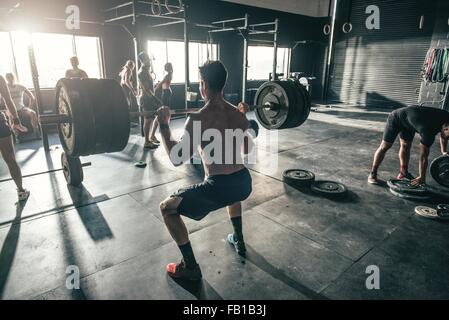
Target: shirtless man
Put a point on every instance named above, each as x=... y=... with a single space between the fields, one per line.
x=148 y=101
x=17 y=92
x=6 y=143
x=126 y=76
x=405 y=122
x=225 y=184
x=75 y=72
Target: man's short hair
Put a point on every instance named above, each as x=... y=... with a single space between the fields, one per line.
x=10 y=77
x=214 y=74
x=74 y=60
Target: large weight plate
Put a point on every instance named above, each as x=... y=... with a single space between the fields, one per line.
x=439 y=170
x=70 y=101
x=100 y=116
x=73 y=170
x=329 y=188
x=409 y=196
x=405 y=186
x=272 y=92
x=298 y=177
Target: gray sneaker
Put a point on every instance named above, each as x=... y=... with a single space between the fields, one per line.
x=239 y=246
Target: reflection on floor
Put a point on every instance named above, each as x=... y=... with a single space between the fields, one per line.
x=300 y=246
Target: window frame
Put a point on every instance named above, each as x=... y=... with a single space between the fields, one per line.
x=289 y=55
x=182 y=41
x=13 y=61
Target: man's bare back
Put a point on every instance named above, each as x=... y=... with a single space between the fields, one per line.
x=221 y=115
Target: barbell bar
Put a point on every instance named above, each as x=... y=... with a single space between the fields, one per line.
x=86 y=164
x=54 y=119
x=92 y=115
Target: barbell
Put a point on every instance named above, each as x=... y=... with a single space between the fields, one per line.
x=93 y=117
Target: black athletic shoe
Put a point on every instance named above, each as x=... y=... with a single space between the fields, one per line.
x=180 y=271
x=239 y=246
x=406 y=176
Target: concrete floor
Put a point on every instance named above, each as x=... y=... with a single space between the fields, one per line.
x=301 y=246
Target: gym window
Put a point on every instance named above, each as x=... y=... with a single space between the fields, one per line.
x=52 y=52
x=260 y=62
x=162 y=52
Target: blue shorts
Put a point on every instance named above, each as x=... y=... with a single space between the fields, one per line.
x=214 y=193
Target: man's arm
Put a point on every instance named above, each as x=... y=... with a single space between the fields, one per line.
x=178 y=151
x=84 y=74
x=443 y=145
x=31 y=99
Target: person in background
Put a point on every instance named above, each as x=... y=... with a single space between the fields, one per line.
x=148 y=101
x=17 y=92
x=126 y=82
x=165 y=85
x=75 y=72
x=6 y=142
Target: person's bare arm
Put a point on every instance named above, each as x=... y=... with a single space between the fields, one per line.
x=179 y=151
x=443 y=145
x=84 y=74
x=4 y=92
x=31 y=98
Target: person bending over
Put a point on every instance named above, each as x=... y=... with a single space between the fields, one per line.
x=148 y=101
x=165 y=85
x=126 y=76
x=6 y=142
x=75 y=72
x=405 y=122
x=17 y=92
x=227 y=181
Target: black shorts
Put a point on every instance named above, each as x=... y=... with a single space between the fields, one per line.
x=214 y=193
x=394 y=127
x=5 y=130
x=166 y=97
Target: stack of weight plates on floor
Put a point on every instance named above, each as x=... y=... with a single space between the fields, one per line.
x=303 y=179
x=298 y=178
x=404 y=189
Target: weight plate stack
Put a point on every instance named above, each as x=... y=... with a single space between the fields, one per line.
x=298 y=178
x=408 y=196
x=329 y=188
x=439 y=170
x=404 y=189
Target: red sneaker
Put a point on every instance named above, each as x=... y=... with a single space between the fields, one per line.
x=180 y=271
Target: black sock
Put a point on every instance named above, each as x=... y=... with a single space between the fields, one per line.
x=187 y=254
x=237 y=225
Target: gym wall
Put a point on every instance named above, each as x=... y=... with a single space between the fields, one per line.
x=381 y=68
